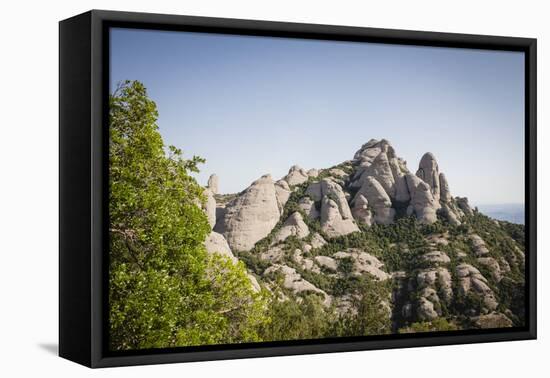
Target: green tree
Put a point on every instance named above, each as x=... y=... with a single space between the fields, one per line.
x=164 y=289
x=297 y=319
x=372 y=315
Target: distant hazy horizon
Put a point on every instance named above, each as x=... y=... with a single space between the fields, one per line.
x=252 y=105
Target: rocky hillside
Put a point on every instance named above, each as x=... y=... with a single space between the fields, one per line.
x=370 y=233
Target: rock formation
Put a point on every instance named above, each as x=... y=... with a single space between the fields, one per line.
x=313 y=172
x=296 y=176
x=216 y=243
x=210 y=207
x=445 y=192
x=428 y=171
x=378 y=186
x=327 y=263
x=307 y=205
x=251 y=216
x=471 y=280
x=360 y=209
x=424 y=204
x=364 y=263
x=293 y=226
x=293 y=281
x=333 y=222
x=433 y=274
x=333 y=191
x=380 y=170
x=282 y=193
x=213 y=184
x=378 y=200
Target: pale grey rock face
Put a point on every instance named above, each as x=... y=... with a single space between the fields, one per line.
x=337 y=172
x=326 y=262
x=282 y=192
x=412 y=182
x=360 y=210
x=428 y=171
x=448 y=212
x=448 y=208
x=436 y=257
x=423 y=203
x=254 y=282
x=336 y=217
x=308 y=264
x=401 y=189
x=305 y=263
x=471 y=279
x=493 y=267
x=273 y=254
x=210 y=207
x=433 y=283
x=364 y=263
x=314 y=191
x=283 y=185
x=332 y=222
x=213 y=184
x=479 y=246
x=251 y=216
x=445 y=192
x=293 y=281
x=426 y=277
x=317 y=241
x=297 y=255
x=293 y=226
x=371 y=149
x=445 y=283
x=334 y=191
x=381 y=170
x=313 y=172
x=309 y=208
x=216 y=243
x=378 y=199
x=296 y=176
x=426 y=310
x=438 y=239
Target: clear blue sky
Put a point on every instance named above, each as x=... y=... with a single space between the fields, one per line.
x=252 y=105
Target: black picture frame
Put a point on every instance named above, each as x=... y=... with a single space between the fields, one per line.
x=83 y=244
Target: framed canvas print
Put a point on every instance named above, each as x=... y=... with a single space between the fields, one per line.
x=234 y=188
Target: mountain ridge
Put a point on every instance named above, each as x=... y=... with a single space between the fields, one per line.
x=321 y=228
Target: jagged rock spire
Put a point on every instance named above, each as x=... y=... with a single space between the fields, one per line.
x=428 y=171
x=296 y=175
x=213 y=184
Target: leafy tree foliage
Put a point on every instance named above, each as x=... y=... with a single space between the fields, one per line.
x=164 y=289
x=298 y=319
